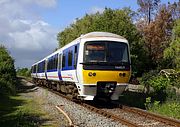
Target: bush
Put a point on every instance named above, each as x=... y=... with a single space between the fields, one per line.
x=159 y=83
x=175 y=80
x=24 y=72
x=145 y=80
x=155 y=85
x=7 y=72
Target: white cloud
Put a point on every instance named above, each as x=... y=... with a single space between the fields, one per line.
x=24 y=33
x=46 y=3
x=42 y=3
x=96 y=9
x=35 y=38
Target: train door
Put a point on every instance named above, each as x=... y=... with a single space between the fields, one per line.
x=45 y=69
x=60 y=66
x=75 y=53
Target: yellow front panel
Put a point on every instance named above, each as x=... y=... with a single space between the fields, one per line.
x=104 y=76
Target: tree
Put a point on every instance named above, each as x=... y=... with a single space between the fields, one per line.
x=157 y=35
x=148 y=9
x=172 y=53
x=7 y=72
x=175 y=9
x=24 y=72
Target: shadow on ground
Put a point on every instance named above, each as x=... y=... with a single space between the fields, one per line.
x=11 y=114
x=129 y=98
x=134 y=99
x=21 y=88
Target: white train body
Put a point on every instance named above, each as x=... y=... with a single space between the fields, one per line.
x=78 y=63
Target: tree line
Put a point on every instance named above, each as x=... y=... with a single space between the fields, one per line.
x=152 y=32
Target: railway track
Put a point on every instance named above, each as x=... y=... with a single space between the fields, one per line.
x=165 y=120
x=118 y=114
x=141 y=117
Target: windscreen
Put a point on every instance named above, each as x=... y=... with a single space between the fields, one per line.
x=106 y=51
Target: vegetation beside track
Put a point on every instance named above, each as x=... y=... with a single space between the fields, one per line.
x=17 y=111
x=7 y=72
x=25 y=72
x=169 y=108
x=21 y=110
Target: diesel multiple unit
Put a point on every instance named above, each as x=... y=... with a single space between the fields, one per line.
x=96 y=64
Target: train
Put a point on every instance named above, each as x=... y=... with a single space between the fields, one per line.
x=95 y=65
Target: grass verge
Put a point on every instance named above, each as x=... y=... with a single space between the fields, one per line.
x=170 y=109
x=16 y=111
x=23 y=110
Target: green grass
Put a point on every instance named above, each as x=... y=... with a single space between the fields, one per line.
x=16 y=111
x=22 y=110
x=170 y=109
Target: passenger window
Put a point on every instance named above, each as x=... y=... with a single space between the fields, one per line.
x=75 y=57
x=34 y=69
x=70 y=58
x=60 y=61
x=56 y=61
x=48 y=64
x=43 y=66
x=63 y=60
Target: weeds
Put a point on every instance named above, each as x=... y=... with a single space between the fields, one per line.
x=170 y=109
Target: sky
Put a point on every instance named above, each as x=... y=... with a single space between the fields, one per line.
x=28 y=28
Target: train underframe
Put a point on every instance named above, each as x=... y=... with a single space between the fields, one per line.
x=67 y=88
x=103 y=90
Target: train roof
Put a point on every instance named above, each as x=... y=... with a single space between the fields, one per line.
x=94 y=35
x=100 y=34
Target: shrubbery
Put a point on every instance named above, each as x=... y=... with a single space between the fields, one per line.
x=7 y=72
x=159 y=83
x=161 y=86
x=24 y=72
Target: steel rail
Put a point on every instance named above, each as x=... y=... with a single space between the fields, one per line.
x=150 y=115
x=110 y=115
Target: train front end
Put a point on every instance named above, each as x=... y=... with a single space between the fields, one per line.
x=106 y=67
